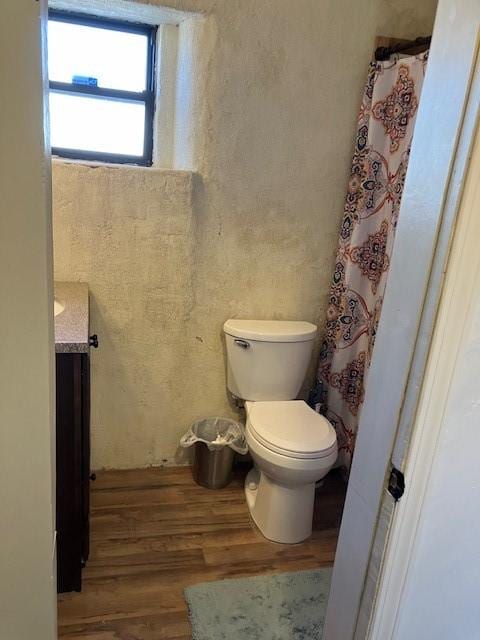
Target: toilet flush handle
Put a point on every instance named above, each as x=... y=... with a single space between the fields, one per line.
x=242 y=343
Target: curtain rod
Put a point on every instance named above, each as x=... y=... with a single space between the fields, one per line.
x=383 y=53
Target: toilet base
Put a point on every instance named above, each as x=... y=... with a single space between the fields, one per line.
x=283 y=514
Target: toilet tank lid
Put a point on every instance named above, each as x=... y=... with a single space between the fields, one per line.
x=271 y=330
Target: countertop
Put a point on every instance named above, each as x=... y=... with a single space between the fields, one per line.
x=72 y=324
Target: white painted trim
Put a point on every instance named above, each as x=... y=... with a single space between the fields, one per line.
x=454 y=316
x=28 y=608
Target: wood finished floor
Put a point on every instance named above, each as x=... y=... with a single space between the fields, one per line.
x=154 y=531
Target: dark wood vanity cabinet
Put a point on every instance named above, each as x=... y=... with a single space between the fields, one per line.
x=73 y=467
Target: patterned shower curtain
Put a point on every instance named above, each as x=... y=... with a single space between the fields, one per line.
x=385 y=128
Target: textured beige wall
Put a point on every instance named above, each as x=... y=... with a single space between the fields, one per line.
x=170 y=256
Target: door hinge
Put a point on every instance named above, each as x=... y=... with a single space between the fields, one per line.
x=396 y=484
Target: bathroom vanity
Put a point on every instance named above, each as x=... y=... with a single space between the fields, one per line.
x=72 y=346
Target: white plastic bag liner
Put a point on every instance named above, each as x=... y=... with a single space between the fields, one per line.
x=216 y=433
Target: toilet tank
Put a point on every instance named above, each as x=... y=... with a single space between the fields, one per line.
x=267 y=359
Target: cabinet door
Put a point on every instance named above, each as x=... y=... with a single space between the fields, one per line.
x=69 y=471
x=85 y=457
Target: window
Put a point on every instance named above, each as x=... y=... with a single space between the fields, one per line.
x=102 y=96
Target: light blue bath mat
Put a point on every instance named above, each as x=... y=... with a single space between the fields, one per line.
x=285 y=606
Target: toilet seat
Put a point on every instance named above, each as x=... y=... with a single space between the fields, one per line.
x=291 y=428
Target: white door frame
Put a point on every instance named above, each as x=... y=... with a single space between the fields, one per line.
x=28 y=604
x=405 y=442
x=430 y=201
x=432 y=419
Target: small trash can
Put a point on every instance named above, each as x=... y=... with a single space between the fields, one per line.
x=215 y=440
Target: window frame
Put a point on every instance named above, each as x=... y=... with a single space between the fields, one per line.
x=147 y=97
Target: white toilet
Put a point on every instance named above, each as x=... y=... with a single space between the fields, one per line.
x=292 y=446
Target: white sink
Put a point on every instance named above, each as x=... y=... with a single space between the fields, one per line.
x=58 y=307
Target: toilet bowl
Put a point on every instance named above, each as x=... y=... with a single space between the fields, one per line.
x=291 y=445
